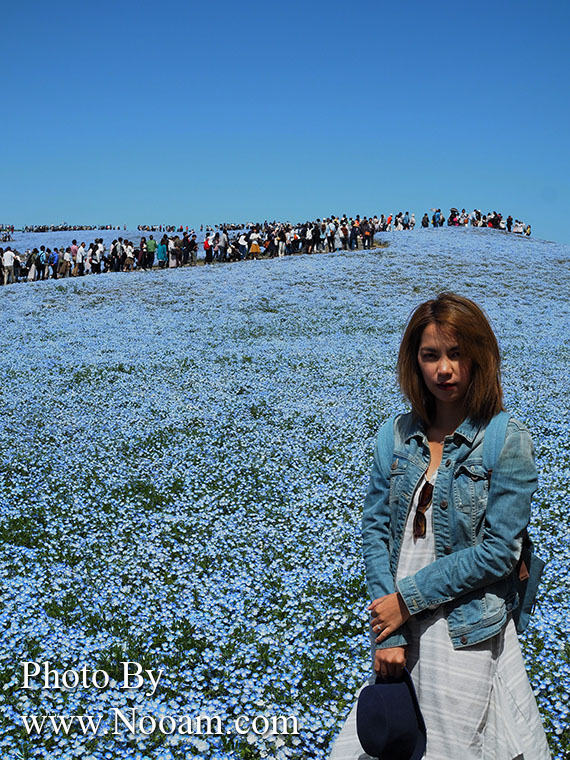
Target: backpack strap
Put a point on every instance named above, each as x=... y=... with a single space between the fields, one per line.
x=494 y=441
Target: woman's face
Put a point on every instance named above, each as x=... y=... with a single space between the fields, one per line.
x=446 y=374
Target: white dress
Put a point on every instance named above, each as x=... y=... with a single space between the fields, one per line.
x=477 y=702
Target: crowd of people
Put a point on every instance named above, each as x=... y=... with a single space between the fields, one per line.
x=6 y=232
x=69 y=227
x=173 y=228
x=476 y=219
x=175 y=246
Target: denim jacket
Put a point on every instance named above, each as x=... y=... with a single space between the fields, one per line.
x=478 y=526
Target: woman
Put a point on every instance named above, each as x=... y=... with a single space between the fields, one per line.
x=142 y=255
x=309 y=238
x=162 y=252
x=442 y=537
x=68 y=262
x=208 y=258
x=216 y=247
x=129 y=251
x=32 y=268
x=242 y=242
x=254 y=249
x=173 y=253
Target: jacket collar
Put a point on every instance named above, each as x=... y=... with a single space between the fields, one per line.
x=467 y=430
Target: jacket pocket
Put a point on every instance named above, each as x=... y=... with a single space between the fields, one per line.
x=397 y=478
x=470 y=491
x=470 y=488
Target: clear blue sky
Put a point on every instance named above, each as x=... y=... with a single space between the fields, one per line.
x=184 y=112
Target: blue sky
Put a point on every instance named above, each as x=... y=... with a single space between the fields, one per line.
x=187 y=113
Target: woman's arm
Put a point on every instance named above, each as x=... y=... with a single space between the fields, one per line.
x=376 y=529
x=507 y=515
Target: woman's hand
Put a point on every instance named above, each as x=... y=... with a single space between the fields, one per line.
x=389 y=612
x=389 y=663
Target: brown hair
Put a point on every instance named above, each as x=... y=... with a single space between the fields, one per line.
x=467 y=322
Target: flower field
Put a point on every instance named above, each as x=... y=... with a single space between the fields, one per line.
x=183 y=460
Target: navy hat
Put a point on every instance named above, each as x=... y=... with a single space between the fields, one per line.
x=389 y=722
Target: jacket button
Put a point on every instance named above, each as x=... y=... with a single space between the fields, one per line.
x=394 y=464
x=447 y=464
x=443 y=504
x=447 y=550
x=464 y=639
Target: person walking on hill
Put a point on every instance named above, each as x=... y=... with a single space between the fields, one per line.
x=254 y=249
x=193 y=250
x=8 y=258
x=162 y=252
x=54 y=262
x=151 y=247
x=331 y=235
x=142 y=254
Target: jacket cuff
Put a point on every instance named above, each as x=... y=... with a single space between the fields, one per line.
x=398 y=639
x=411 y=595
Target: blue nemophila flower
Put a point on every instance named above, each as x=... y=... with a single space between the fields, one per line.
x=183 y=461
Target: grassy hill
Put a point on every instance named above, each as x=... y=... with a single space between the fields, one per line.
x=183 y=459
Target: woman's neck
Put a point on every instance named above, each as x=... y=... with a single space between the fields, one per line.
x=447 y=418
